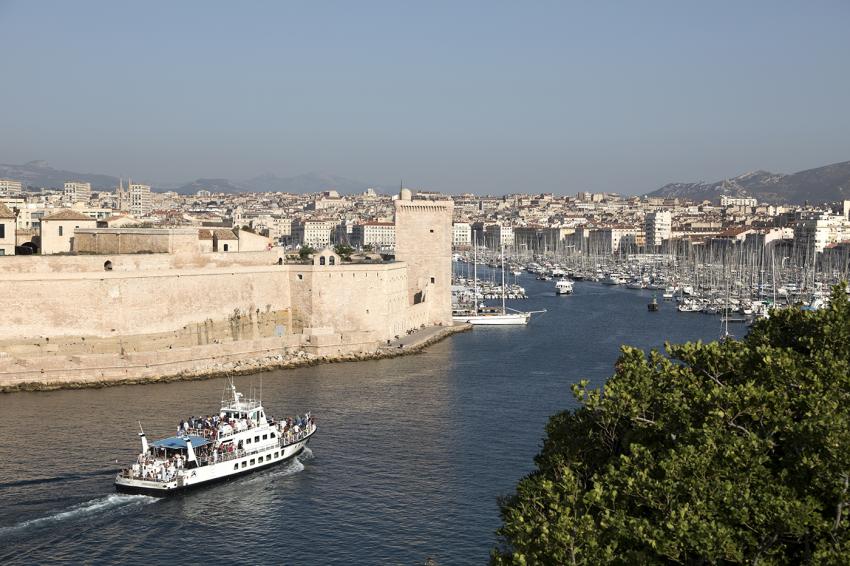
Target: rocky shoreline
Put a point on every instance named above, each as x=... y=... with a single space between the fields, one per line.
x=249 y=366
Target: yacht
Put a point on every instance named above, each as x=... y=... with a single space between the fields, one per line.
x=563 y=287
x=240 y=439
x=490 y=316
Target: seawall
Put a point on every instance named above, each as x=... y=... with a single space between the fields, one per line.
x=202 y=362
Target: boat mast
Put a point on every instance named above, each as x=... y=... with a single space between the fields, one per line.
x=475 y=271
x=504 y=310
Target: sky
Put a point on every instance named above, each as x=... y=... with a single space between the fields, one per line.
x=489 y=97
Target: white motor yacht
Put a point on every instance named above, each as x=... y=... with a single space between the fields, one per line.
x=563 y=287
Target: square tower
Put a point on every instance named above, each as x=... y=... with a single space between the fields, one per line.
x=423 y=240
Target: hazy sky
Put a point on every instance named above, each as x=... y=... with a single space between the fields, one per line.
x=483 y=96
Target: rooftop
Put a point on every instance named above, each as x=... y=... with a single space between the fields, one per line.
x=67 y=215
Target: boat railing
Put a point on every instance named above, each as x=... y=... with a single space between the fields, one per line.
x=287 y=439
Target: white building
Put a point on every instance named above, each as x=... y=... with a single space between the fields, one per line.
x=496 y=236
x=613 y=239
x=461 y=234
x=812 y=235
x=726 y=200
x=10 y=187
x=658 y=227
x=57 y=230
x=77 y=191
x=136 y=199
x=313 y=233
x=379 y=235
x=8 y=228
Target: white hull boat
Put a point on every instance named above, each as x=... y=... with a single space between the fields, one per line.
x=241 y=440
x=564 y=287
x=498 y=319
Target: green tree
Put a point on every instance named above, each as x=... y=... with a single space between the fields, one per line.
x=344 y=251
x=305 y=252
x=721 y=453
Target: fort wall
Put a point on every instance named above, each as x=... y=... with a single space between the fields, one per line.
x=126 y=316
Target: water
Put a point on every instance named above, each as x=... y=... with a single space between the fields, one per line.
x=408 y=463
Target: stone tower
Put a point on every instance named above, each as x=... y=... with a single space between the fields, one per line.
x=423 y=240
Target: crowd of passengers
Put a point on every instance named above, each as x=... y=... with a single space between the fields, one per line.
x=216 y=425
x=149 y=468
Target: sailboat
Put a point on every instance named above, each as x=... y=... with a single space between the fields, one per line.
x=491 y=316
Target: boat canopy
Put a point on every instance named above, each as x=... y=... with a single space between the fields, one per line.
x=179 y=442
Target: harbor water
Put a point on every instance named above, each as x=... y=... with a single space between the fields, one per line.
x=410 y=458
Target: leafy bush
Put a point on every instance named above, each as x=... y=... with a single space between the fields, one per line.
x=726 y=452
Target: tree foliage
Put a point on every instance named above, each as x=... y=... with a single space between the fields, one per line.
x=344 y=251
x=305 y=252
x=720 y=453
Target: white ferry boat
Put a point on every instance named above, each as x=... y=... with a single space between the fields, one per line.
x=239 y=440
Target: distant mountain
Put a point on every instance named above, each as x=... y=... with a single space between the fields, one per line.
x=40 y=174
x=829 y=183
x=307 y=183
x=211 y=185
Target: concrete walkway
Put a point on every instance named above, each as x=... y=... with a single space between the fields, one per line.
x=424 y=336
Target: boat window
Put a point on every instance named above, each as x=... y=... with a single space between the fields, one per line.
x=256 y=439
x=265 y=437
x=244 y=464
x=268 y=457
x=248 y=441
x=274 y=435
x=253 y=461
x=275 y=454
x=235 y=466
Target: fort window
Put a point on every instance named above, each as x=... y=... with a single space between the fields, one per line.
x=332 y=260
x=2 y=230
x=280 y=261
x=61 y=231
x=431 y=230
x=226 y=246
x=322 y=260
x=300 y=276
x=107 y=265
x=433 y=280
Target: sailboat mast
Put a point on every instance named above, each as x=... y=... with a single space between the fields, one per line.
x=475 y=271
x=504 y=310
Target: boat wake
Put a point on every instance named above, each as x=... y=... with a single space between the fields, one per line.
x=85 y=509
x=65 y=477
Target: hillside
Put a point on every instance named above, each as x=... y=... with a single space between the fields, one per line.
x=40 y=174
x=829 y=183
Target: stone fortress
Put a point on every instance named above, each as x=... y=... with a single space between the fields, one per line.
x=180 y=307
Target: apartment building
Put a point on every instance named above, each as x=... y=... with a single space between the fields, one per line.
x=658 y=227
x=10 y=187
x=378 y=235
x=77 y=191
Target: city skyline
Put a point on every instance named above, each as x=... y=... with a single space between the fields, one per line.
x=479 y=98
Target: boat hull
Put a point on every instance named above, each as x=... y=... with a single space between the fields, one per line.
x=494 y=320
x=212 y=474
